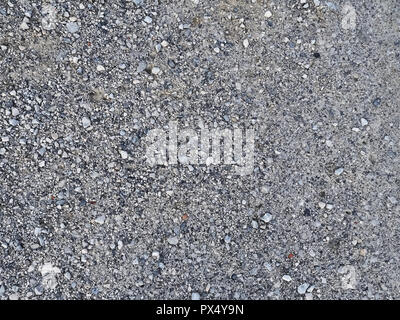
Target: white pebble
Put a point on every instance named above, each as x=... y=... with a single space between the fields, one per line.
x=14 y=112
x=302 y=289
x=173 y=240
x=287 y=278
x=195 y=296
x=24 y=24
x=86 y=122
x=100 y=219
x=72 y=27
x=364 y=122
x=266 y=217
x=309 y=296
x=339 y=171
x=155 y=70
x=392 y=200
x=124 y=154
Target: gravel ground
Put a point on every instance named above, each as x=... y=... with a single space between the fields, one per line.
x=84 y=216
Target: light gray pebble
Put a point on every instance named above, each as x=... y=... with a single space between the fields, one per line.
x=14 y=112
x=86 y=122
x=364 y=122
x=2 y=290
x=13 y=122
x=142 y=66
x=13 y=296
x=392 y=199
x=173 y=240
x=195 y=296
x=72 y=27
x=266 y=217
x=302 y=289
x=100 y=219
x=39 y=290
x=339 y=171
x=42 y=151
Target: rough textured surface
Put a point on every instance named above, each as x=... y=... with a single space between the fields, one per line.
x=82 y=214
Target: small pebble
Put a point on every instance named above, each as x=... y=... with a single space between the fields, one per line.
x=377 y=102
x=124 y=154
x=322 y=205
x=24 y=25
x=173 y=241
x=86 y=122
x=287 y=278
x=100 y=219
x=302 y=289
x=195 y=296
x=13 y=122
x=141 y=66
x=339 y=171
x=392 y=200
x=14 y=112
x=309 y=296
x=147 y=19
x=42 y=151
x=155 y=70
x=266 y=217
x=72 y=27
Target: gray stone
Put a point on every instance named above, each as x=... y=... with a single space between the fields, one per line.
x=266 y=217
x=195 y=296
x=142 y=66
x=302 y=289
x=72 y=27
x=173 y=240
x=100 y=219
x=86 y=122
